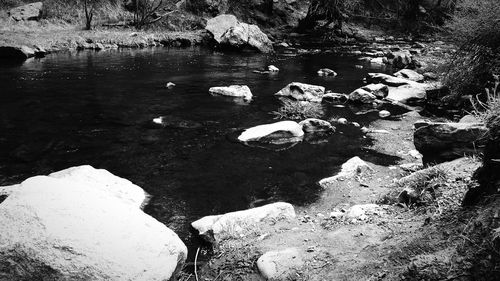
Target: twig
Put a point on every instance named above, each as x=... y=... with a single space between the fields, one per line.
x=195 y=268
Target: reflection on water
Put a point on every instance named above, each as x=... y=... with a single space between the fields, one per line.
x=96 y=108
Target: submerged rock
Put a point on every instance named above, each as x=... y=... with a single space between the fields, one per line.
x=280 y=265
x=239 y=224
x=32 y=11
x=238 y=91
x=228 y=31
x=301 y=91
x=279 y=132
x=449 y=140
x=176 y=122
x=84 y=223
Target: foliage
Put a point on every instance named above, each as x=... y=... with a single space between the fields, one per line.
x=298 y=110
x=89 y=7
x=71 y=11
x=476 y=27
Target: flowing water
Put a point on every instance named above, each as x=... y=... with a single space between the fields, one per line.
x=96 y=108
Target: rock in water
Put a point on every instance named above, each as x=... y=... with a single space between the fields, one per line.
x=240 y=223
x=31 y=11
x=16 y=53
x=281 y=132
x=273 y=68
x=384 y=114
x=326 y=72
x=313 y=125
x=228 y=31
x=238 y=91
x=410 y=75
x=83 y=223
x=280 y=265
x=301 y=91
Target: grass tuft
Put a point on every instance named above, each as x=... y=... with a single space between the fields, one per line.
x=298 y=110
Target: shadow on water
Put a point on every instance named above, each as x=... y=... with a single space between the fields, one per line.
x=96 y=108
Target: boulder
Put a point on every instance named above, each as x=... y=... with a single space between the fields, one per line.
x=272 y=68
x=378 y=60
x=362 y=96
x=239 y=224
x=280 y=265
x=388 y=80
x=238 y=91
x=279 y=132
x=448 y=141
x=401 y=89
x=350 y=169
x=410 y=75
x=313 y=125
x=84 y=223
x=228 y=31
x=301 y=91
x=334 y=98
x=379 y=90
x=384 y=114
x=16 y=53
x=31 y=11
x=402 y=59
x=326 y=72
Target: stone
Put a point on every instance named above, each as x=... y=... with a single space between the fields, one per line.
x=407 y=94
x=469 y=119
x=84 y=223
x=228 y=31
x=326 y=72
x=342 y=121
x=402 y=59
x=449 y=141
x=279 y=132
x=384 y=114
x=273 y=68
x=313 y=125
x=237 y=91
x=301 y=91
x=26 y=12
x=238 y=224
x=170 y=85
x=379 y=90
x=334 y=98
x=16 y=53
x=389 y=80
x=361 y=212
x=362 y=96
x=176 y=122
x=410 y=75
x=350 y=169
x=281 y=264
x=430 y=76
x=378 y=60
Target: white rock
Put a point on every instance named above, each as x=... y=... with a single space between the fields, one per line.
x=232 y=91
x=273 y=68
x=326 y=72
x=361 y=211
x=301 y=91
x=170 y=85
x=85 y=223
x=261 y=131
x=342 y=121
x=336 y=214
x=384 y=114
x=410 y=75
x=350 y=169
x=240 y=223
x=415 y=154
x=280 y=265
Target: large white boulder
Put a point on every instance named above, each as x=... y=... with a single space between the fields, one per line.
x=303 y=92
x=84 y=224
x=401 y=89
x=238 y=91
x=350 y=169
x=283 y=131
x=227 y=30
x=241 y=223
x=280 y=265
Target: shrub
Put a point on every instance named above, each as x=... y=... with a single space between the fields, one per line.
x=298 y=110
x=476 y=28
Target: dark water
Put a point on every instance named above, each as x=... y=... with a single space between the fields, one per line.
x=95 y=108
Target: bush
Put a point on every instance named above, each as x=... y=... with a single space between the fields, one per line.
x=476 y=28
x=298 y=110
